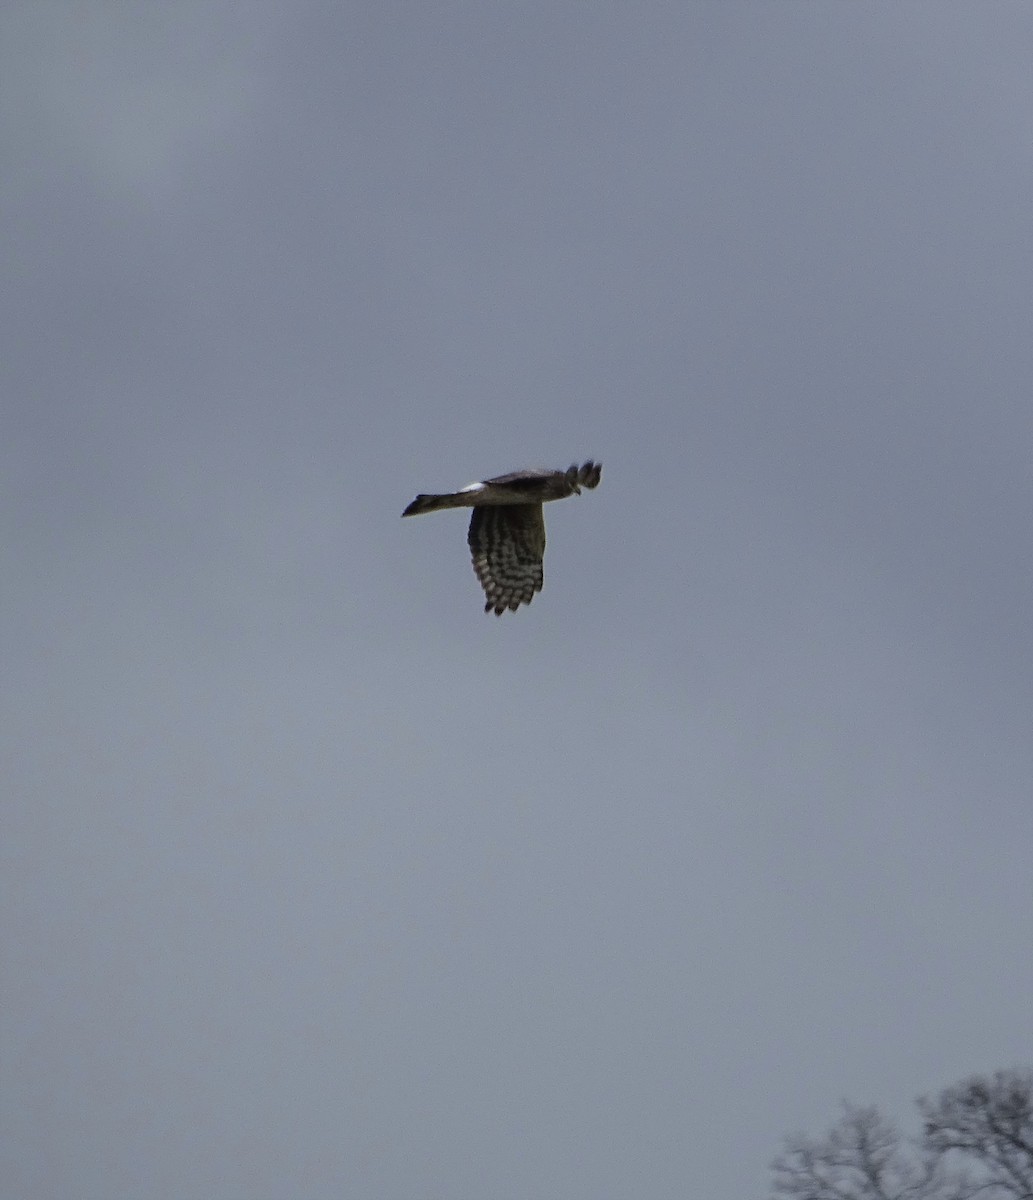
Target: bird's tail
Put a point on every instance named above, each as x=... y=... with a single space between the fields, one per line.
x=431 y=503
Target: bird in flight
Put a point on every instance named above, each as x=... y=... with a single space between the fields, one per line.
x=507 y=528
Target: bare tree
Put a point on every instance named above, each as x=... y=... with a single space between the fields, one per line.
x=977 y=1141
x=863 y=1157
x=988 y=1124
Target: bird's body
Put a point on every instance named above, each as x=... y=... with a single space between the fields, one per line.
x=507 y=527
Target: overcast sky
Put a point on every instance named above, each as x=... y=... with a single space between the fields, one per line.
x=319 y=882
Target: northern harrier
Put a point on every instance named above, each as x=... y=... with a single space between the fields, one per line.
x=507 y=528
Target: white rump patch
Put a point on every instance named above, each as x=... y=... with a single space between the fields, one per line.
x=473 y=487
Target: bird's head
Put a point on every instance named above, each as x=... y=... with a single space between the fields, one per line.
x=587 y=475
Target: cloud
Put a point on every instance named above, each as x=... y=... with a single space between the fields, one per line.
x=130 y=96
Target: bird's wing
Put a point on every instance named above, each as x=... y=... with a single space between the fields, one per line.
x=507 y=543
x=529 y=483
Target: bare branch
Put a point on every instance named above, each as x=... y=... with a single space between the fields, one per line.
x=987 y=1122
x=860 y=1158
x=976 y=1144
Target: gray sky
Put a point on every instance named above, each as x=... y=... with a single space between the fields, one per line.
x=319 y=882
